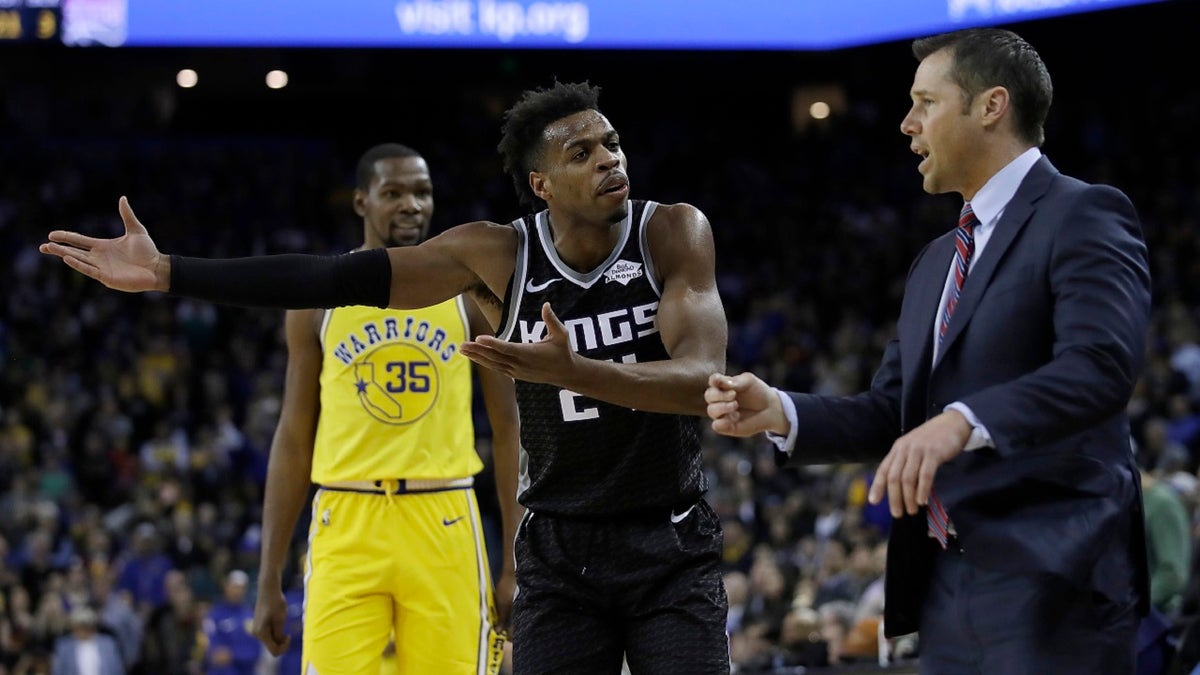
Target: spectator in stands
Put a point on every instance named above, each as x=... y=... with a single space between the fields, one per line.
x=172 y=644
x=85 y=650
x=1169 y=543
x=232 y=648
x=142 y=572
x=118 y=617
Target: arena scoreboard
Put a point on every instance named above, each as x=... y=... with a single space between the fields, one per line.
x=505 y=24
x=31 y=21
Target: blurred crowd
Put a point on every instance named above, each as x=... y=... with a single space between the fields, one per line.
x=134 y=431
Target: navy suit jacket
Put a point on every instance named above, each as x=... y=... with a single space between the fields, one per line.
x=1045 y=346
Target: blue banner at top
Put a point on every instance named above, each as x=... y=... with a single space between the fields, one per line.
x=587 y=24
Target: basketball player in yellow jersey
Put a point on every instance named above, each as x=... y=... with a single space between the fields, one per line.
x=377 y=415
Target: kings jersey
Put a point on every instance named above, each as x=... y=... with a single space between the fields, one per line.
x=584 y=457
x=395 y=395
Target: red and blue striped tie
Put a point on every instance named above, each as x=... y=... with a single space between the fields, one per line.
x=964 y=250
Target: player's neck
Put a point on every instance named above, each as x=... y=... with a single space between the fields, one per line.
x=583 y=245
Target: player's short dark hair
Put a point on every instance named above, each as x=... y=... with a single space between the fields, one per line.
x=989 y=57
x=521 y=142
x=366 y=164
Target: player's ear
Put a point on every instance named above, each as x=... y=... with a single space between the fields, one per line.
x=540 y=184
x=360 y=203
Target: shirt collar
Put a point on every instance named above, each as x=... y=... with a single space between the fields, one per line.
x=995 y=194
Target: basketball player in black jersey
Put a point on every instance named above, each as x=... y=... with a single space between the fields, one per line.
x=608 y=317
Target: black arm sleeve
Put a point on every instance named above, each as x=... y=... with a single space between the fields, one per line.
x=291 y=281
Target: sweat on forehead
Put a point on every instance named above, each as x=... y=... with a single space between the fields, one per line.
x=581 y=124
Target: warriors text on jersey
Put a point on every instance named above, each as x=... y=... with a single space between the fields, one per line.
x=395 y=395
x=584 y=457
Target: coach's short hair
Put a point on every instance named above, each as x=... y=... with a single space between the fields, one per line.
x=990 y=57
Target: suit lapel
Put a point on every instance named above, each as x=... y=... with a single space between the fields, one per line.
x=916 y=325
x=1016 y=213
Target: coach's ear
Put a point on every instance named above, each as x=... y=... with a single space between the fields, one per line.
x=540 y=184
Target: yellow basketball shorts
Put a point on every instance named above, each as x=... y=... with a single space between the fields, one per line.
x=410 y=564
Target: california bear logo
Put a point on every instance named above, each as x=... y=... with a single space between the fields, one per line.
x=397 y=383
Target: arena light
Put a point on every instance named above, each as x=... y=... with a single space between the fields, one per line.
x=187 y=78
x=814 y=103
x=277 y=79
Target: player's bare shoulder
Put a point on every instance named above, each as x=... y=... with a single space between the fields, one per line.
x=677 y=220
x=479 y=234
x=488 y=249
x=677 y=233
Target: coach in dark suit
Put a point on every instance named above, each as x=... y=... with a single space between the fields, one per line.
x=998 y=412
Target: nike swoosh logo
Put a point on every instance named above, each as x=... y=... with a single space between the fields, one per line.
x=679 y=518
x=447 y=522
x=537 y=288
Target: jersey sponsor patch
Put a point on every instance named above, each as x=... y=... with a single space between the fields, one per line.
x=623 y=272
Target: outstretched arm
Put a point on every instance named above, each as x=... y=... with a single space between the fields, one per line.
x=472 y=256
x=691 y=322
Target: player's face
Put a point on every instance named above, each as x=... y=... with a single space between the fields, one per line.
x=397 y=207
x=235 y=591
x=942 y=132
x=583 y=168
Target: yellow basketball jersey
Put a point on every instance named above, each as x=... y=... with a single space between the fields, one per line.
x=395 y=395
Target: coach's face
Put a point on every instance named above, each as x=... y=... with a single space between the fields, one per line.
x=582 y=169
x=947 y=129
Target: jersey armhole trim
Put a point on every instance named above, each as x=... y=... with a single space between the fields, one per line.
x=517 y=284
x=644 y=243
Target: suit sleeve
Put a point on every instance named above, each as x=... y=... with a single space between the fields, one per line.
x=859 y=428
x=1100 y=283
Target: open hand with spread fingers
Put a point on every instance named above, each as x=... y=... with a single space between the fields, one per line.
x=130 y=262
x=549 y=360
